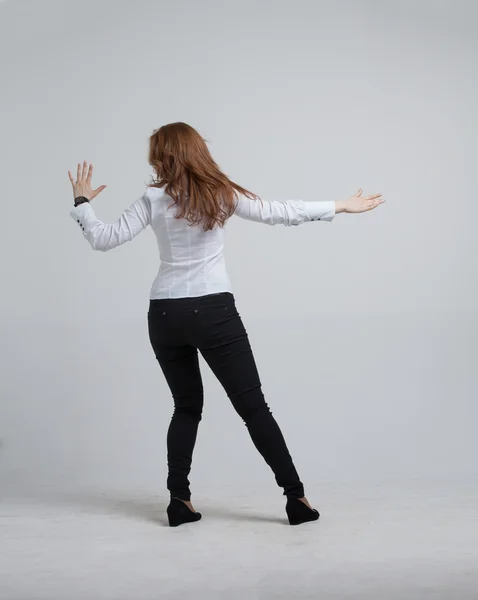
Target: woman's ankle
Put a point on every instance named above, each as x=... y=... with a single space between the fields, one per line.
x=305 y=501
x=186 y=502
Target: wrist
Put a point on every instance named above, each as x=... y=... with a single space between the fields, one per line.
x=340 y=206
x=80 y=200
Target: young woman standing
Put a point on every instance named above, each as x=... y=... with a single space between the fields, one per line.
x=192 y=306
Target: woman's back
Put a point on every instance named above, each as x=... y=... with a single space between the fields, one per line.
x=191 y=259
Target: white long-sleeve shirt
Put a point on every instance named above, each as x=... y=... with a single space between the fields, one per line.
x=191 y=259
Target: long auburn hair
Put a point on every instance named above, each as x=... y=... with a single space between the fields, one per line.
x=185 y=168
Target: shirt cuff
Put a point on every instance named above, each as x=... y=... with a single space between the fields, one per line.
x=320 y=210
x=80 y=213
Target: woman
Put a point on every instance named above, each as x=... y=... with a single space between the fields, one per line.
x=192 y=306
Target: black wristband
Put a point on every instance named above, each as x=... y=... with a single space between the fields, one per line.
x=80 y=200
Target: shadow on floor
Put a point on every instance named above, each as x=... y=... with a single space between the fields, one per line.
x=151 y=508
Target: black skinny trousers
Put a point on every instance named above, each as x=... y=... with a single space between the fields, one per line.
x=178 y=328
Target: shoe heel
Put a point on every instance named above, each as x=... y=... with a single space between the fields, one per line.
x=179 y=513
x=298 y=512
x=174 y=520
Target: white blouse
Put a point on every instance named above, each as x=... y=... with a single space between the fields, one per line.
x=191 y=259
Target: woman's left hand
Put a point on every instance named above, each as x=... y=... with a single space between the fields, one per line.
x=82 y=185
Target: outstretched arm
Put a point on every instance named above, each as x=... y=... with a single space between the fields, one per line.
x=296 y=212
x=105 y=236
x=284 y=212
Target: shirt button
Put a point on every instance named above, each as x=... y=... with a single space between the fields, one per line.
x=77 y=220
x=195 y=310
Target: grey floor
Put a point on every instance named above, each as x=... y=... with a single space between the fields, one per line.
x=373 y=541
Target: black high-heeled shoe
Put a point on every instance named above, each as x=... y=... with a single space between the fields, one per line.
x=179 y=513
x=298 y=512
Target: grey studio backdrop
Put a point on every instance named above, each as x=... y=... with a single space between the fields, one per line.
x=364 y=329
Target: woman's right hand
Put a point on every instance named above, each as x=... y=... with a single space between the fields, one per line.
x=358 y=203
